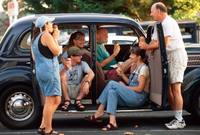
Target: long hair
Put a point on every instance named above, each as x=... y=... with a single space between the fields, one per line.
x=76 y=36
x=36 y=31
x=140 y=52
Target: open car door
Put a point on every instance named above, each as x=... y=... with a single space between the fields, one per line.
x=159 y=71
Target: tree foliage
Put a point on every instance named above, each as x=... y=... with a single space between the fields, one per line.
x=187 y=10
x=137 y=9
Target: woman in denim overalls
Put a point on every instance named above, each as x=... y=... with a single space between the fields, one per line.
x=45 y=50
x=117 y=93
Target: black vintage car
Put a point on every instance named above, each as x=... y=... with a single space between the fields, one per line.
x=20 y=97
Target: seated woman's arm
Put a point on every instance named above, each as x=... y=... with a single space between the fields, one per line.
x=141 y=80
x=121 y=73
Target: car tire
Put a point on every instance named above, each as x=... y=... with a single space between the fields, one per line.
x=196 y=104
x=20 y=107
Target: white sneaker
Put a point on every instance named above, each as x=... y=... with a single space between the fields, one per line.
x=175 y=124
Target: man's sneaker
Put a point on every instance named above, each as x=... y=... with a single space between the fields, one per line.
x=175 y=124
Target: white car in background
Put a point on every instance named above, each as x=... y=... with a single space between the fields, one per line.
x=122 y=40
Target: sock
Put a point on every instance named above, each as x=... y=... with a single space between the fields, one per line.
x=178 y=115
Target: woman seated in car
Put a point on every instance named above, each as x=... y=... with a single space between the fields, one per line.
x=78 y=39
x=132 y=93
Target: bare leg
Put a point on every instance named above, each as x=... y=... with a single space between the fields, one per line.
x=171 y=98
x=42 y=125
x=178 y=100
x=50 y=107
x=64 y=84
x=84 y=88
x=113 y=120
x=100 y=111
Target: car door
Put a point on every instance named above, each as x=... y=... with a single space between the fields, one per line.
x=158 y=68
x=159 y=71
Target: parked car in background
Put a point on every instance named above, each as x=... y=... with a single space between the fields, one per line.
x=189 y=30
x=20 y=97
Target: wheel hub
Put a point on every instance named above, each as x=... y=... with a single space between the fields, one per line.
x=20 y=106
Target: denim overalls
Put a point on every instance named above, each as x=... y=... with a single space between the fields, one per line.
x=47 y=71
x=117 y=94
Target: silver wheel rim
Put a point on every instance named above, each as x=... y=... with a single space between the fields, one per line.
x=19 y=106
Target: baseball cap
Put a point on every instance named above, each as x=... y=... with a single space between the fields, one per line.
x=40 y=21
x=74 y=51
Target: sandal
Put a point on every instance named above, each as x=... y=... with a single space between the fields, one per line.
x=79 y=106
x=41 y=131
x=66 y=105
x=53 y=132
x=109 y=127
x=92 y=119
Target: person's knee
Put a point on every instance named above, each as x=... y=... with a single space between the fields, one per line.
x=111 y=82
x=84 y=91
x=112 y=92
x=176 y=88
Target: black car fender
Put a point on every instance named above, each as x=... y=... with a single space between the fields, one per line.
x=191 y=86
x=17 y=75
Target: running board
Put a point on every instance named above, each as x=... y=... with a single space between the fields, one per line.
x=118 y=111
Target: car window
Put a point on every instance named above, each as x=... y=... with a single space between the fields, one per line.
x=67 y=29
x=121 y=34
x=25 y=43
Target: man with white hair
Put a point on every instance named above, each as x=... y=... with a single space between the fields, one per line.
x=177 y=59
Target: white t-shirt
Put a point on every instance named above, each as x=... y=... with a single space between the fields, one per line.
x=144 y=71
x=170 y=28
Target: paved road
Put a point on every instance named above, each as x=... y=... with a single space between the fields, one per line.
x=150 y=123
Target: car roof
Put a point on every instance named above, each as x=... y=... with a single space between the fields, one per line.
x=83 y=17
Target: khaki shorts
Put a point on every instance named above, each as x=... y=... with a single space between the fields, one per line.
x=73 y=91
x=177 y=62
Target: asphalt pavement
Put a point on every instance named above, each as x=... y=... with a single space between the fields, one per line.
x=137 y=123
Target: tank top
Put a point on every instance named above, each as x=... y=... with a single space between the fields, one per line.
x=44 y=50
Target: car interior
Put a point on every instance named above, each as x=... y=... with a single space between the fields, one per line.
x=127 y=38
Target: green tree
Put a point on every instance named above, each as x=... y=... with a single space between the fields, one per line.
x=137 y=9
x=187 y=10
x=48 y=6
